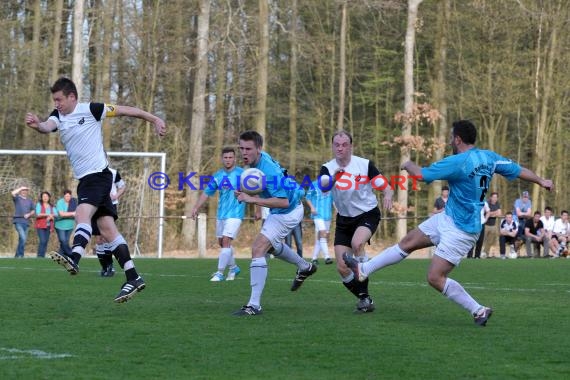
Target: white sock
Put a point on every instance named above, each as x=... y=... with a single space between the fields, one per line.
x=324 y=247
x=232 y=263
x=224 y=259
x=455 y=292
x=390 y=256
x=258 y=274
x=316 y=248
x=290 y=256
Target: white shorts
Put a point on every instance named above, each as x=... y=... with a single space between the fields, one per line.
x=227 y=227
x=277 y=226
x=452 y=244
x=322 y=225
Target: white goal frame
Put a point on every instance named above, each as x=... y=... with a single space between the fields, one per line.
x=161 y=155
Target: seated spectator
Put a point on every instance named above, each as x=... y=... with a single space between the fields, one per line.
x=548 y=223
x=535 y=236
x=440 y=202
x=560 y=233
x=508 y=231
x=522 y=211
x=491 y=227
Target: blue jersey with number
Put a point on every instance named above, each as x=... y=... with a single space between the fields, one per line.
x=321 y=201
x=226 y=183
x=469 y=175
x=277 y=184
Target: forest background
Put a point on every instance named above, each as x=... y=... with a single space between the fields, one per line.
x=395 y=74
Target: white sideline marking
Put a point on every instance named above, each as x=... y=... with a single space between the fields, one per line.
x=14 y=354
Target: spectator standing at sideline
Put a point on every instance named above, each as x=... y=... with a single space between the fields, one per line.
x=491 y=226
x=65 y=221
x=45 y=214
x=23 y=210
x=441 y=201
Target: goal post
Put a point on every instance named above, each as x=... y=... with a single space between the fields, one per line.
x=10 y=176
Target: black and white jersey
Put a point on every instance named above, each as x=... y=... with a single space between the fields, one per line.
x=81 y=134
x=118 y=183
x=352 y=197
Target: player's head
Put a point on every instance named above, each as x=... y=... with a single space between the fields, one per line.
x=228 y=157
x=64 y=95
x=342 y=145
x=465 y=131
x=250 y=145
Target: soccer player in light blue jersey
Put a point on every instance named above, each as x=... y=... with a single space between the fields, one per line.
x=280 y=195
x=320 y=203
x=230 y=213
x=454 y=232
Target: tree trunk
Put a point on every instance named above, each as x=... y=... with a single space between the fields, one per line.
x=439 y=90
x=293 y=91
x=198 y=123
x=52 y=137
x=401 y=225
x=262 y=69
x=77 y=54
x=342 y=69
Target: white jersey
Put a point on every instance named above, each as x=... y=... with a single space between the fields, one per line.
x=118 y=183
x=81 y=134
x=351 y=196
x=561 y=228
x=547 y=223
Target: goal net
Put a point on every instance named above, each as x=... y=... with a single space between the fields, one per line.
x=140 y=209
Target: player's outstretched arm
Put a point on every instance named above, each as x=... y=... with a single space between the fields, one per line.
x=159 y=125
x=33 y=121
x=530 y=176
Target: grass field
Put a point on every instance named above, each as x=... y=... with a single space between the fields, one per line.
x=55 y=326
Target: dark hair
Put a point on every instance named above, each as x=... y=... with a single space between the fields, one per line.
x=548 y=208
x=445 y=187
x=42 y=195
x=537 y=213
x=252 y=136
x=508 y=213
x=341 y=132
x=494 y=193
x=466 y=130
x=228 y=149
x=563 y=212
x=65 y=85
x=67 y=191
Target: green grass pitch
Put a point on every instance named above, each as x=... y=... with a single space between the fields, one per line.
x=55 y=326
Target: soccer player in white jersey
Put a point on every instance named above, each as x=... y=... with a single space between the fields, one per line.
x=358 y=214
x=454 y=232
x=280 y=195
x=80 y=131
x=230 y=212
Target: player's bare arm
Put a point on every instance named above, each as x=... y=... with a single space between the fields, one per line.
x=159 y=125
x=34 y=122
x=530 y=176
x=412 y=168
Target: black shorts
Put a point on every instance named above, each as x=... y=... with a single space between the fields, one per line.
x=95 y=189
x=346 y=226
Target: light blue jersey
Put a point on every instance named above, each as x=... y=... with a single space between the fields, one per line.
x=226 y=183
x=321 y=201
x=469 y=175
x=277 y=185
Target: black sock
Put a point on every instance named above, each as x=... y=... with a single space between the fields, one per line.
x=353 y=287
x=121 y=253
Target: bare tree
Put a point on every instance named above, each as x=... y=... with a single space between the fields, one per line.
x=413 y=5
x=198 y=123
x=262 y=68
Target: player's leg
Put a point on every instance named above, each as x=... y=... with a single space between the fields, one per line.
x=230 y=232
x=316 y=246
x=224 y=255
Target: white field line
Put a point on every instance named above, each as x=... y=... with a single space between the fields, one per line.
x=15 y=354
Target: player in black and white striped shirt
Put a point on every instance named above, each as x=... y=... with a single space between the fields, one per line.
x=80 y=130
